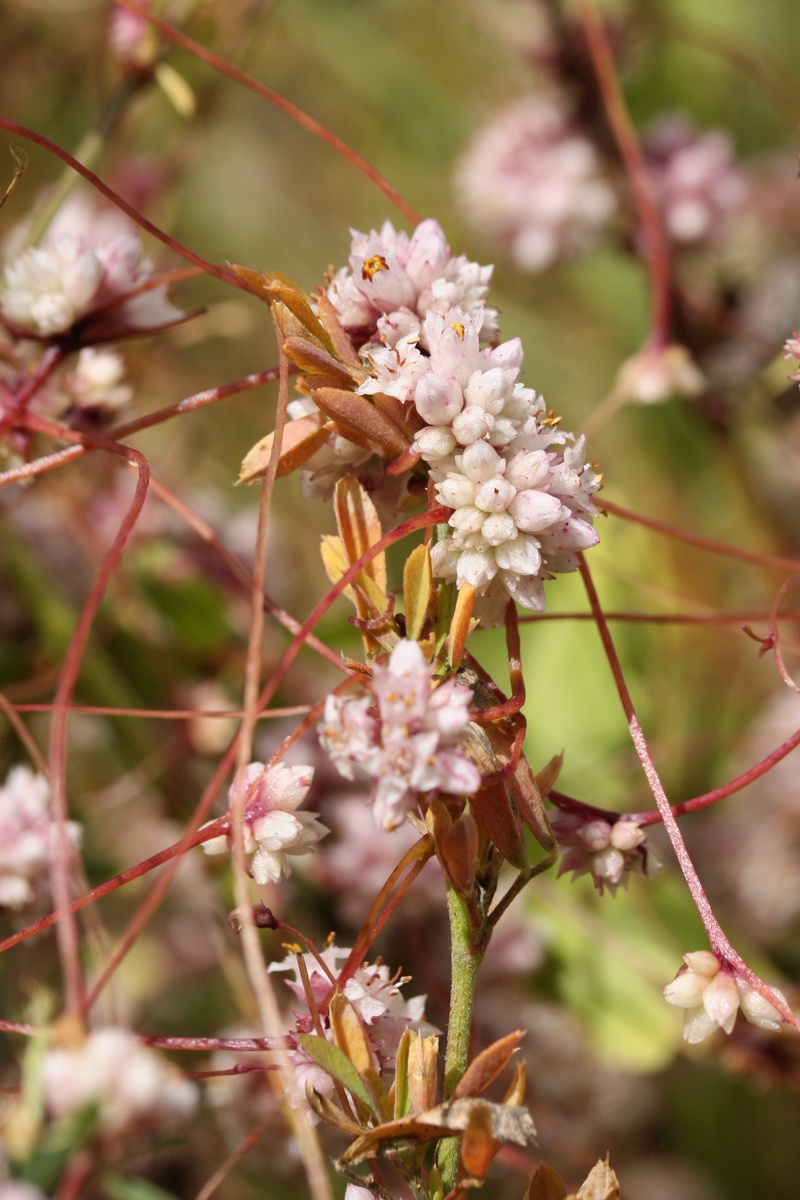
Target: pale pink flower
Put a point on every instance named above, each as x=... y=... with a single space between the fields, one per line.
x=657 y=373
x=608 y=851
x=405 y=737
x=75 y=277
x=27 y=838
x=271 y=828
x=532 y=181
x=393 y=280
x=699 y=184
x=131 y=1086
x=375 y=995
x=712 y=994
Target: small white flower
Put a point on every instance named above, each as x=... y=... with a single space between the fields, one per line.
x=132 y=1087
x=712 y=994
x=271 y=828
x=407 y=741
x=26 y=838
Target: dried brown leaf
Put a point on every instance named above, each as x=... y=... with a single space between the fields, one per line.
x=478 y=1147
x=507 y=1125
x=301 y=440
x=487 y=1065
x=600 y=1184
x=546 y=1184
x=361 y=422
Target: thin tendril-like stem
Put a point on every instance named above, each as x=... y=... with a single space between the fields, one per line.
x=304 y=119
x=719 y=941
x=66 y=928
x=650 y=221
x=696 y=539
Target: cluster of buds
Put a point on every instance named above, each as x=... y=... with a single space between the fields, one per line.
x=699 y=185
x=608 y=851
x=712 y=994
x=130 y=1088
x=415 y=385
x=27 y=838
x=532 y=181
x=405 y=735
x=265 y=799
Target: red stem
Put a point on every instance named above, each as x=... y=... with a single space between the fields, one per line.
x=304 y=119
x=655 y=246
x=719 y=942
x=695 y=539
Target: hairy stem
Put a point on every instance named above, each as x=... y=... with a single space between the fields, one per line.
x=467 y=948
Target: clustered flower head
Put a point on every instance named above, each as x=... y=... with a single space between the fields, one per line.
x=267 y=798
x=712 y=994
x=374 y=994
x=532 y=181
x=404 y=735
x=608 y=851
x=698 y=182
x=393 y=281
x=73 y=276
x=131 y=1087
x=519 y=487
x=27 y=838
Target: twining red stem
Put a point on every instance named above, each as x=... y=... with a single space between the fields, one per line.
x=695 y=539
x=719 y=942
x=656 y=250
x=304 y=119
x=117 y=200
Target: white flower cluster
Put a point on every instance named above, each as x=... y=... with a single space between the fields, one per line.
x=392 y=282
x=520 y=490
x=70 y=277
x=132 y=1088
x=712 y=995
x=404 y=736
x=26 y=838
x=606 y=850
x=532 y=181
x=271 y=828
x=699 y=184
x=376 y=997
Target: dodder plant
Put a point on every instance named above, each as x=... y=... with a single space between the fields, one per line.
x=405 y=413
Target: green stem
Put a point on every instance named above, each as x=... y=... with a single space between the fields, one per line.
x=467 y=946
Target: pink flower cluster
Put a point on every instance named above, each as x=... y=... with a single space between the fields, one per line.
x=376 y=997
x=608 y=851
x=271 y=828
x=699 y=184
x=393 y=281
x=78 y=276
x=532 y=181
x=520 y=489
x=404 y=735
x=27 y=838
x=131 y=1087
